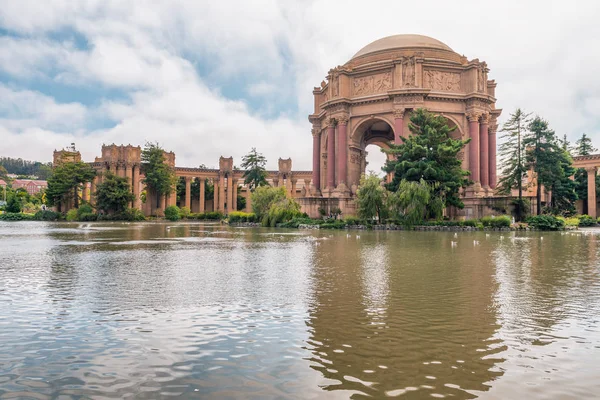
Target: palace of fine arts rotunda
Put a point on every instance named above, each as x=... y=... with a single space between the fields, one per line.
x=369 y=100
x=366 y=101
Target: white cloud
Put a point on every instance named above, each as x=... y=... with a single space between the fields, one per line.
x=541 y=53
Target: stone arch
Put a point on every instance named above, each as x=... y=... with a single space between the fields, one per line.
x=359 y=127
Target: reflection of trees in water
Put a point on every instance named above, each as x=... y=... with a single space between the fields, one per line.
x=402 y=311
x=544 y=282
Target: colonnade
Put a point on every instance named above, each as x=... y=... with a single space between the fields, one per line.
x=131 y=171
x=482 y=150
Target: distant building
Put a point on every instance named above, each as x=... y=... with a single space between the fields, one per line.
x=2 y=182
x=31 y=186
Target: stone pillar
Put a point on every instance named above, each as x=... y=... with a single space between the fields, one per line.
x=293 y=188
x=331 y=155
x=122 y=172
x=136 y=186
x=248 y=200
x=188 y=192
x=492 y=155
x=234 y=195
x=229 y=194
x=484 y=166
x=93 y=190
x=215 y=195
x=275 y=182
x=398 y=125
x=85 y=193
x=201 y=200
x=591 y=200
x=342 y=160
x=474 y=146
x=316 y=172
x=222 y=193
x=129 y=175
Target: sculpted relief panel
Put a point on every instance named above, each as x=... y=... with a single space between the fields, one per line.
x=372 y=84
x=440 y=80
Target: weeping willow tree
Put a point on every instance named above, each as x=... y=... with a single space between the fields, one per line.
x=414 y=202
x=371 y=198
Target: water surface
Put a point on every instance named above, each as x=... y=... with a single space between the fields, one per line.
x=156 y=310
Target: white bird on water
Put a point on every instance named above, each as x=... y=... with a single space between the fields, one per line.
x=357 y=236
x=475 y=242
x=487 y=235
x=541 y=238
x=453 y=244
x=347 y=235
x=455 y=234
x=501 y=237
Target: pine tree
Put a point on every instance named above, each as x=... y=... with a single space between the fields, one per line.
x=583 y=147
x=67 y=181
x=158 y=175
x=547 y=159
x=429 y=154
x=255 y=174
x=114 y=194
x=512 y=157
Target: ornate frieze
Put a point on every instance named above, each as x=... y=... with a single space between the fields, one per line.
x=371 y=84
x=441 y=80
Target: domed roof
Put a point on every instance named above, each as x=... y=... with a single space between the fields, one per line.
x=402 y=41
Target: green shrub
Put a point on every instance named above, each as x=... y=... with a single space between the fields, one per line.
x=300 y=220
x=545 y=222
x=16 y=217
x=470 y=222
x=586 y=220
x=240 y=216
x=282 y=211
x=353 y=221
x=214 y=215
x=13 y=204
x=72 y=215
x=185 y=212
x=572 y=221
x=134 y=214
x=46 y=215
x=88 y=217
x=172 y=213
x=334 y=225
x=502 y=221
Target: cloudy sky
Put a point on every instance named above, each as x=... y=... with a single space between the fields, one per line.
x=210 y=78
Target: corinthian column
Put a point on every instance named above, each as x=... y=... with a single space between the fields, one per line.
x=591 y=200
x=398 y=125
x=331 y=155
x=188 y=192
x=215 y=195
x=484 y=166
x=342 y=160
x=492 y=152
x=316 y=172
x=474 y=146
x=222 y=193
x=136 y=186
x=234 y=195
x=229 y=194
x=201 y=205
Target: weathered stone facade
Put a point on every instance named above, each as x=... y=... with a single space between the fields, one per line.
x=369 y=100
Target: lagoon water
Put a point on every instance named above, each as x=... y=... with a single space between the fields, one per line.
x=159 y=310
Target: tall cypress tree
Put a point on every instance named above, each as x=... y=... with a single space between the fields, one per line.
x=159 y=176
x=583 y=147
x=512 y=157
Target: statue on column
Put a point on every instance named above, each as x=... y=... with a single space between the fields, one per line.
x=408 y=71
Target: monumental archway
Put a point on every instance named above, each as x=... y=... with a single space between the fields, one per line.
x=379 y=87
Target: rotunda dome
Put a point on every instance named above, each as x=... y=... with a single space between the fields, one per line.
x=395 y=42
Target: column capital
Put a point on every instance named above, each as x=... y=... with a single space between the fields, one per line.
x=485 y=118
x=473 y=116
x=332 y=122
x=399 y=113
x=492 y=129
x=343 y=120
x=591 y=169
x=316 y=131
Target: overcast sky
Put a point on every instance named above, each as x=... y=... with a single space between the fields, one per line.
x=210 y=78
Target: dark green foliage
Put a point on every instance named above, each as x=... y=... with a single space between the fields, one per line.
x=86 y=213
x=113 y=194
x=211 y=215
x=502 y=221
x=172 y=213
x=47 y=215
x=552 y=166
x=302 y=220
x=16 y=217
x=255 y=174
x=67 y=180
x=583 y=147
x=13 y=204
x=586 y=220
x=546 y=222
x=353 y=221
x=280 y=211
x=264 y=197
x=512 y=157
x=338 y=224
x=429 y=153
x=159 y=176
x=19 y=166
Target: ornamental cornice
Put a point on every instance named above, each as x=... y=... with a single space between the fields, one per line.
x=336 y=105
